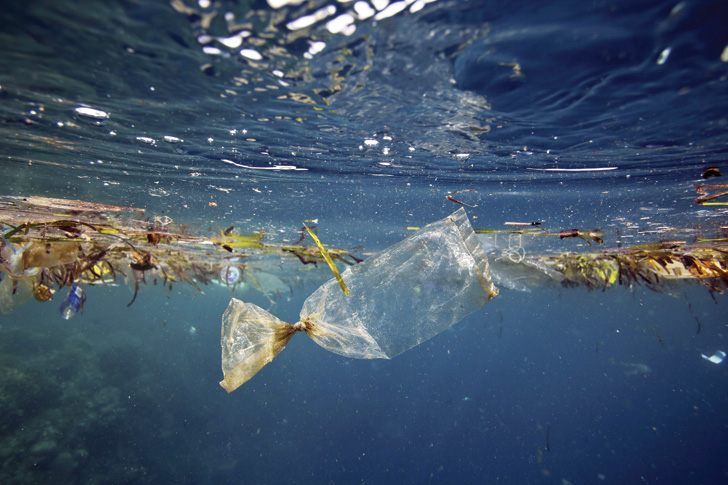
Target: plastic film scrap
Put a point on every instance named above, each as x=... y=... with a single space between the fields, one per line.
x=405 y=295
x=247 y=347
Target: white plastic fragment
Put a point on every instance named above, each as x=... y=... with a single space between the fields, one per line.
x=716 y=358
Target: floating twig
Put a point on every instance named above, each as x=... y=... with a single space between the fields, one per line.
x=452 y=199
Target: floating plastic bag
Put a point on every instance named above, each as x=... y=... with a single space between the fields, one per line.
x=405 y=295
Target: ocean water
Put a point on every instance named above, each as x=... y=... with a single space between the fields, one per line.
x=365 y=116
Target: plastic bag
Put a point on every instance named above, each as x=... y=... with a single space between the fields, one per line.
x=405 y=295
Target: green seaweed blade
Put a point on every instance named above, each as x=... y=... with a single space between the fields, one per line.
x=329 y=261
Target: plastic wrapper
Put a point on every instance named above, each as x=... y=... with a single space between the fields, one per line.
x=405 y=295
x=14 y=292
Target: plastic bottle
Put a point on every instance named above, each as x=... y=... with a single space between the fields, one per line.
x=74 y=302
x=230 y=275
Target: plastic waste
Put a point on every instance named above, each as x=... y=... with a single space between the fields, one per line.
x=716 y=358
x=74 y=302
x=230 y=275
x=11 y=260
x=405 y=295
x=511 y=266
x=14 y=292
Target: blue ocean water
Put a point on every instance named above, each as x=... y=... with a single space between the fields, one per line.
x=574 y=114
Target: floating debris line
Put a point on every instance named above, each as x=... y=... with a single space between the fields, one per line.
x=48 y=244
x=657 y=268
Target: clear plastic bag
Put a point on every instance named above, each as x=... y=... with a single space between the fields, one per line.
x=405 y=295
